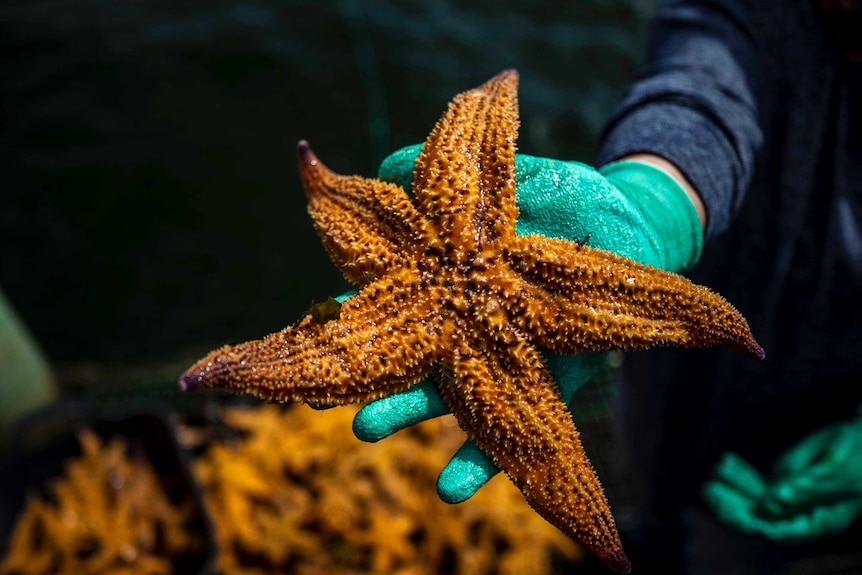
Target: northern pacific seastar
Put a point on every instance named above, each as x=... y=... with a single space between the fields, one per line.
x=449 y=291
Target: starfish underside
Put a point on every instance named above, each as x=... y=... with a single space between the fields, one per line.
x=449 y=291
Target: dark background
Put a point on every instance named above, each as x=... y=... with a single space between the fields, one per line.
x=150 y=205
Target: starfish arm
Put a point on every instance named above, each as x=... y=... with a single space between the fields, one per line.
x=365 y=224
x=504 y=398
x=384 y=340
x=465 y=175
x=579 y=298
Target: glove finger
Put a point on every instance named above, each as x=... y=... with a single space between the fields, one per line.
x=738 y=474
x=810 y=490
x=469 y=469
x=831 y=473
x=730 y=505
x=397 y=168
x=819 y=522
x=800 y=456
x=740 y=511
x=571 y=372
x=834 y=519
x=385 y=416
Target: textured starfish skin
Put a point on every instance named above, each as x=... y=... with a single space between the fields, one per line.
x=449 y=291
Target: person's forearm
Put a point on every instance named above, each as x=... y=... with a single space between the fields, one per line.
x=674 y=172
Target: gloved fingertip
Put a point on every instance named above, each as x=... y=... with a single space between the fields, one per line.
x=728 y=504
x=715 y=494
x=466 y=473
x=367 y=425
x=397 y=167
x=726 y=465
x=802 y=491
x=735 y=471
x=784 y=492
x=382 y=418
x=730 y=459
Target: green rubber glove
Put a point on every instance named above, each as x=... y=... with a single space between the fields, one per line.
x=814 y=489
x=630 y=208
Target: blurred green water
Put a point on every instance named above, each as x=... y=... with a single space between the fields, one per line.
x=150 y=201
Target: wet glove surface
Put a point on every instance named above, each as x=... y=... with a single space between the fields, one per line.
x=814 y=489
x=630 y=208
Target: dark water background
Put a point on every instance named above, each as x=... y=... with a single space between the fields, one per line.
x=150 y=201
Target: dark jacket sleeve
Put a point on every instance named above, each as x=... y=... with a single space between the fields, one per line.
x=694 y=105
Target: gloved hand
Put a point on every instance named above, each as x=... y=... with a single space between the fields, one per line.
x=630 y=208
x=814 y=489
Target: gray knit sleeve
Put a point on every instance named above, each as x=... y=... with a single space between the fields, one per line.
x=694 y=105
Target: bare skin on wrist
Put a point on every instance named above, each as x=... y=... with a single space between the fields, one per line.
x=669 y=168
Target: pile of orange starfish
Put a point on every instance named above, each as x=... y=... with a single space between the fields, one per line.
x=295 y=495
x=108 y=514
x=449 y=291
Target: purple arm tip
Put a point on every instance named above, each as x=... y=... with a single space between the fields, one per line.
x=619 y=562
x=191 y=380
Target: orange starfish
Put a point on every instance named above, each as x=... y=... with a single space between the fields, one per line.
x=449 y=291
